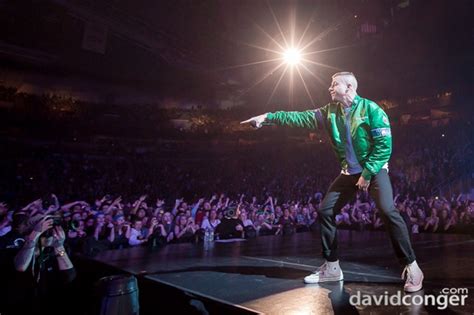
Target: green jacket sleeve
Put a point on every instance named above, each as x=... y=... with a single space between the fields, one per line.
x=311 y=119
x=382 y=141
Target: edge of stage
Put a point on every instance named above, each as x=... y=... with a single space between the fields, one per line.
x=264 y=275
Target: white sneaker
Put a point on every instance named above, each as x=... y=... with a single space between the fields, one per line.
x=329 y=271
x=414 y=277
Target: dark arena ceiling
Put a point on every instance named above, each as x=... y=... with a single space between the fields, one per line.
x=198 y=49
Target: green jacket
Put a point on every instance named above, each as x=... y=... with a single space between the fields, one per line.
x=370 y=130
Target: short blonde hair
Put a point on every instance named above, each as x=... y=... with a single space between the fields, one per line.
x=348 y=78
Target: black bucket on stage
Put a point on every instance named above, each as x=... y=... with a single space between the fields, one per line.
x=119 y=295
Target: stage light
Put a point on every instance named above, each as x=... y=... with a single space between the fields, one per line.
x=292 y=56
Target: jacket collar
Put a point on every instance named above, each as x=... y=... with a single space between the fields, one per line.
x=355 y=101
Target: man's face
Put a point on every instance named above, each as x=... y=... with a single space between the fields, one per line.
x=23 y=228
x=138 y=225
x=120 y=220
x=338 y=89
x=141 y=213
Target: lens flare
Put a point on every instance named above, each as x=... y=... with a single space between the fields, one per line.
x=292 y=56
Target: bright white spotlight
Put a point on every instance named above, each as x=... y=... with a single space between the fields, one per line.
x=292 y=56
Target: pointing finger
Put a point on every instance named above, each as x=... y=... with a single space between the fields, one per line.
x=246 y=121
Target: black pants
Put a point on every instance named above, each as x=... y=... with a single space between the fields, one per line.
x=341 y=191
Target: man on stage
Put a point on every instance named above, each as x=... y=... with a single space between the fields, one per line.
x=361 y=137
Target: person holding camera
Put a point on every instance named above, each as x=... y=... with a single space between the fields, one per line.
x=185 y=230
x=157 y=235
x=231 y=226
x=43 y=270
x=168 y=226
x=122 y=232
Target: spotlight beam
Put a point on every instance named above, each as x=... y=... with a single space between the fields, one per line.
x=256 y=46
x=278 y=24
x=250 y=64
x=268 y=35
x=321 y=64
x=291 y=56
x=314 y=75
x=326 y=50
x=276 y=86
x=291 y=89
x=292 y=26
x=305 y=87
x=262 y=79
x=305 y=30
x=327 y=31
x=262 y=48
x=321 y=35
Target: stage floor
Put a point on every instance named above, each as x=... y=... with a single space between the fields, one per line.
x=265 y=274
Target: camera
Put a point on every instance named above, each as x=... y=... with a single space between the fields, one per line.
x=230 y=212
x=57 y=221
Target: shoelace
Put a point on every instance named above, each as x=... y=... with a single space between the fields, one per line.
x=321 y=268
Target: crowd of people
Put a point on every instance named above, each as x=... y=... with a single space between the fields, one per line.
x=92 y=199
x=113 y=194
x=112 y=223
x=273 y=187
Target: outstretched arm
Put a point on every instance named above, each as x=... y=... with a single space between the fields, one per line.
x=137 y=204
x=196 y=207
x=304 y=119
x=311 y=119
